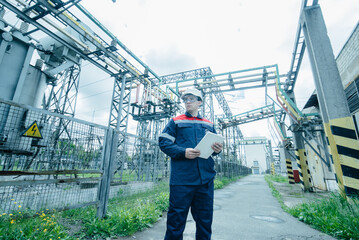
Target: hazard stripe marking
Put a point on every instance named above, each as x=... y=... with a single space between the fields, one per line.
x=350 y=172
x=343 y=132
x=350 y=162
x=351 y=191
x=351 y=182
x=348 y=151
x=349 y=143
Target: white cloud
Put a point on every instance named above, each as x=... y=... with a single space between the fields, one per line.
x=169 y=59
x=173 y=36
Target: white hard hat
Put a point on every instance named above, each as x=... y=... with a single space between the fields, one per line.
x=192 y=91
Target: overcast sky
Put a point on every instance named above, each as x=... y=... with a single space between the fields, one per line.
x=174 y=36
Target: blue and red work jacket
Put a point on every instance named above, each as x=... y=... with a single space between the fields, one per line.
x=186 y=131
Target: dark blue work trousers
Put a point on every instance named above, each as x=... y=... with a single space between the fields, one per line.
x=200 y=199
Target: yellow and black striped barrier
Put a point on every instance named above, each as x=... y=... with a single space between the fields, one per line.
x=346 y=155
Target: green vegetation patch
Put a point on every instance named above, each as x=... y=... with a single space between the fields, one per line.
x=221 y=182
x=125 y=216
x=18 y=225
x=277 y=178
x=336 y=216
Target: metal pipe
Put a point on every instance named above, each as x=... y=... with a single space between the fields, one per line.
x=222 y=80
x=103 y=28
x=227 y=73
x=236 y=89
x=235 y=82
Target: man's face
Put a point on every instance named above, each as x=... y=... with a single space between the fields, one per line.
x=191 y=103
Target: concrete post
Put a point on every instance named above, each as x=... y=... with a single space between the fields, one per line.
x=108 y=157
x=338 y=123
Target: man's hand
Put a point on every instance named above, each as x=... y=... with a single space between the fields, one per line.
x=192 y=153
x=217 y=147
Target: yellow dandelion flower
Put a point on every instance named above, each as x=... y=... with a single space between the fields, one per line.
x=19 y=206
x=45 y=230
x=10 y=214
x=4 y=214
x=12 y=221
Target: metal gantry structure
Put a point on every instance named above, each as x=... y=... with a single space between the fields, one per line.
x=58 y=31
x=267 y=145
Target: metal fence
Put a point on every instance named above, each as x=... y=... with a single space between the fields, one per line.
x=51 y=161
x=47 y=160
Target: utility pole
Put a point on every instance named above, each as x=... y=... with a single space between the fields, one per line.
x=338 y=123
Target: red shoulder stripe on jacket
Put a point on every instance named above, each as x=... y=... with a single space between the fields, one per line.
x=184 y=117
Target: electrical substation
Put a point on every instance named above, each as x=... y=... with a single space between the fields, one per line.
x=50 y=159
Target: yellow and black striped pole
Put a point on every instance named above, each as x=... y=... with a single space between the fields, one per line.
x=300 y=153
x=334 y=157
x=272 y=169
x=289 y=171
x=303 y=169
x=288 y=161
x=337 y=120
x=347 y=153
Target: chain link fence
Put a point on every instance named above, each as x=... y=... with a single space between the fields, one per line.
x=51 y=161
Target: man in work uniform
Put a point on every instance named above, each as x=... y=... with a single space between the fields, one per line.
x=191 y=180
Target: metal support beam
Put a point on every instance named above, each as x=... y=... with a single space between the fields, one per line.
x=327 y=155
x=119 y=116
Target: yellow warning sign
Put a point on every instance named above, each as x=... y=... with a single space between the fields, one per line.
x=33 y=131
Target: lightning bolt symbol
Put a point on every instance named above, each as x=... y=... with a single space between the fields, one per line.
x=34 y=129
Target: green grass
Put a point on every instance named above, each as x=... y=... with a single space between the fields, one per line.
x=270 y=179
x=125 y=216
x=221 y=182
x=277 y=178
x=43 y=226
x=335 y=215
